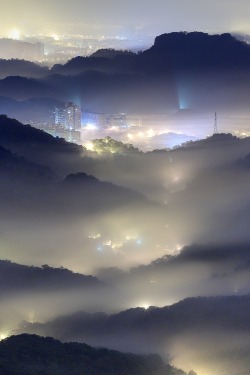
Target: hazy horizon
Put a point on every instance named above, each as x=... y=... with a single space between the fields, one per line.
x=156 y=16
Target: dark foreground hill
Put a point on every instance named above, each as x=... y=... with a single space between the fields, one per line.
x=33 y=355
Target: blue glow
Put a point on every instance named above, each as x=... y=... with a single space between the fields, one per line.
x=183 y=90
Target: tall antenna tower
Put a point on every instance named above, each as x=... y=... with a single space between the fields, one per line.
x=215 y=123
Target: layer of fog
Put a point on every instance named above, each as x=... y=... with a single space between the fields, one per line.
x=195 y=194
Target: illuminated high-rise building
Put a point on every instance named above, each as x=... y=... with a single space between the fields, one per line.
x=69 y=116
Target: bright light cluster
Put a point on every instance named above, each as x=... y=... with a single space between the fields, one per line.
x=4 y=335
x=91 y=127
x=15 y=34
x=89 y=146
x=94 y=236
x=141 y=134
x=113 y=244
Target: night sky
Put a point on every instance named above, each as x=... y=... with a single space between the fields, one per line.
x=158 y=16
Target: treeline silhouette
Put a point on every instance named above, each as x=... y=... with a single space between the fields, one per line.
x=33 y=355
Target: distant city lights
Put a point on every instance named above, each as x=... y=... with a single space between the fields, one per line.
x=94 y=236
x=14 y=34
x=115 y=244
x=55 y=37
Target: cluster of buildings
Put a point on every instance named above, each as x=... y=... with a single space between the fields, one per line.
x=70 y=118
x=103 y=120
x=71 y=123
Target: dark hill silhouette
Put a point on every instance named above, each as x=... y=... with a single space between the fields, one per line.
x=21 y=68
x=217 y=140
x=200 y=50
x=181 y=70
x=77 y=196
x=111 y=53
x=78 y=181
x=39 y=146
x=16 y=278
x=190 y=315
x=224 y=146
x=22 y=88
x=34 y=144
x=36 y=109
x=31 y=185
x=33 y=355
x=19 y=167
x=89 y=193
x=35 y=200
x=109 y=61
x=212 y=332
x=14 y=131
x=178 y=49
x=212 y=69
x=22 y=181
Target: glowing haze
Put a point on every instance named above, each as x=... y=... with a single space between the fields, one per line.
x=157 y=16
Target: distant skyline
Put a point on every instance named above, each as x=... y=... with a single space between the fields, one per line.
x=154 y=17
